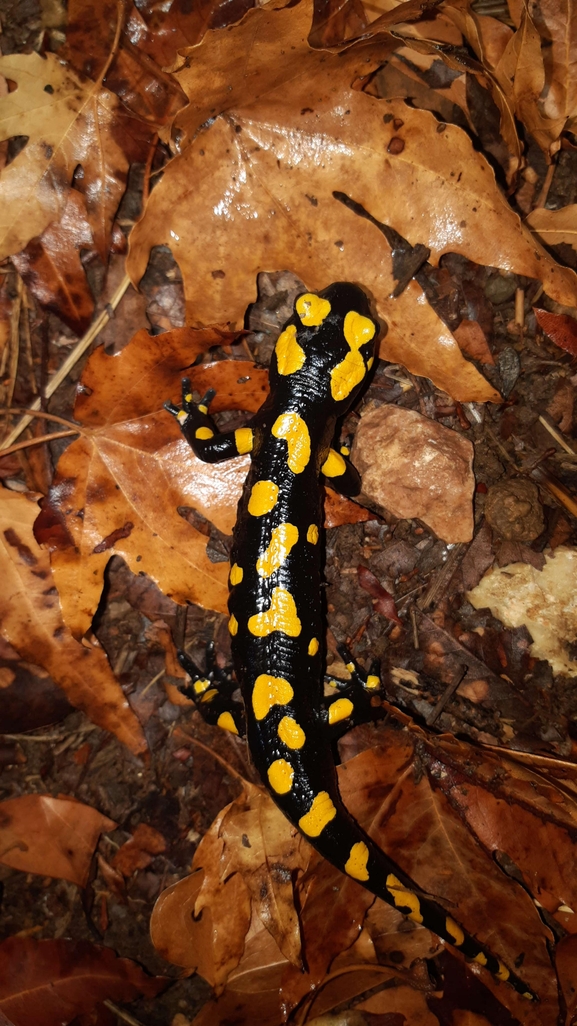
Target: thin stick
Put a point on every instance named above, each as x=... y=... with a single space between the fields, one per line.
x=35 y=441
x=70 y=360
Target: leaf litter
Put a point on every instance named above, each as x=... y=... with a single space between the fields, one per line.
x=129 y=500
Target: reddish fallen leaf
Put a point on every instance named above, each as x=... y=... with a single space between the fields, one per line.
x=339 y=510
x=139 y=851
x=50 y=982
x=560 y=328
x=383 y=601
x=50 y=836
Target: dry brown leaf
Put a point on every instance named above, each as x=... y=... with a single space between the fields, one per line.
x=50 y=836
x=412 y=818
x=31 y=621
x=555 y=226
x=521 y=75
x=560 y=328
x=50 y=982
x=264 y=179
x=557 y=24
x=70 y=123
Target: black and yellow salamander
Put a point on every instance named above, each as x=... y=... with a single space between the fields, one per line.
x=320 y=364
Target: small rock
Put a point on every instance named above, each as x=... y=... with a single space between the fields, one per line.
x=415 y=467
x=512 y=508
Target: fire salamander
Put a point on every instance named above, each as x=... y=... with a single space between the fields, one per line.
x=320 y=364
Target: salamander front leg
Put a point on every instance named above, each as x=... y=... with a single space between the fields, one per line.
x=355 y=702
x=202 y=433
x=212 y=692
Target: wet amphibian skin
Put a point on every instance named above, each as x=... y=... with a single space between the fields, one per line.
x=319 y=366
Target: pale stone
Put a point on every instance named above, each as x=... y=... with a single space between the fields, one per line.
x=414 y=467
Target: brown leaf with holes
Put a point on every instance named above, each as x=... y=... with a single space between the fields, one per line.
x=257 y=166
x=50 y=836
x=51 y=982
x=32 y=622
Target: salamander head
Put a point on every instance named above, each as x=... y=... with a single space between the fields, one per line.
x=327 y=347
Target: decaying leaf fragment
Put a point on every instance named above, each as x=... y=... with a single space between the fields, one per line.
x=31 y=621
x=545 y=601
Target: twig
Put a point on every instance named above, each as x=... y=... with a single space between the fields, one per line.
x=126 y=1016
x=72 y=358
x=555 y=434
x=444 y=699
x=35 y=441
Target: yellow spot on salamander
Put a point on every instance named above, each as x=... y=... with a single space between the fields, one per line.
x=350 y=667
x=480 y=958
x=203 y=432
x=312 y=310
x=350 y=372
x=289 y=355
x=313 y=534
x=280 y=775
x=313 y=647
x=345 y=450
x=454 y=931
x=269 y=691
x=282 y=540
x=370 y=362
x=340 y=709
x=502 y=972
x=209 y=695
x=200 y=686
x=404 y=898
x=236 y=574
x=188 y=399
x=281 y=616
x=373 y=681
x=356 y=864
x=201 y=406
x=291 y=733
x=181 y=416
x=320 y=813
x=293 y=429
x=243 y=440
x=233 y=625
x=334 y=465
x=226 y=722
x=262 y=498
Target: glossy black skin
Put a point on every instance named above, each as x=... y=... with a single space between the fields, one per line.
x=306 y=392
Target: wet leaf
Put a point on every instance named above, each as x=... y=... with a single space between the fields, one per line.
x=69 y=123
x=555 y=226
x=51 y=267
x=50 y=836
x=53 y=981
x=32 y=623
x=257 y=166
x=560 y=328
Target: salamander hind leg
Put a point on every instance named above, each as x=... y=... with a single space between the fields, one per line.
x=357 y=698
x=212 y=692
